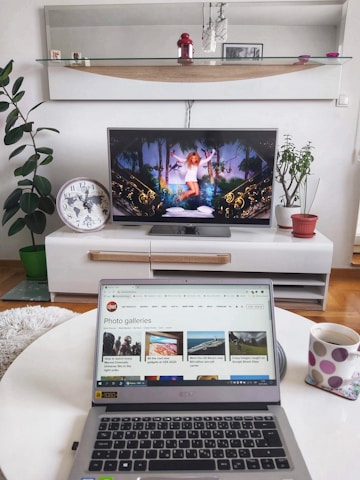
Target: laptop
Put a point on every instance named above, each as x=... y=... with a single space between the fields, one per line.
x=187 y=385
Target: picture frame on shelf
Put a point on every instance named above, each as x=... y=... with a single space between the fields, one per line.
x=77 y=58
x=55 y=54
x=239 y=51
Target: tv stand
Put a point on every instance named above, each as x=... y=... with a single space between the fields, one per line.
x=299 y=268
x=190 y=230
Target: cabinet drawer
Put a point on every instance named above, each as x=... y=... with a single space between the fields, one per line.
x=76 y=262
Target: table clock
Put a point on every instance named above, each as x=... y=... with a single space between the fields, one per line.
x=83 y=204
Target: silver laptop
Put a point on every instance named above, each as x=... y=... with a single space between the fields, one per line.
x=186 y=385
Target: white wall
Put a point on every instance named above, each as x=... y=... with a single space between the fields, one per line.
x=81 y=147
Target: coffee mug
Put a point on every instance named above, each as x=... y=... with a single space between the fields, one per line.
x=333 y=354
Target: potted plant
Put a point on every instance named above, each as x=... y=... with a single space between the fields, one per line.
x=31 y=200
x=293 y=166
x=304 y=223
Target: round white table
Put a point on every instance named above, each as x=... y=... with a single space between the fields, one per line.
x=46 y=393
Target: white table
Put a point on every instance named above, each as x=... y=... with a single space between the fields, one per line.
x=46 y=393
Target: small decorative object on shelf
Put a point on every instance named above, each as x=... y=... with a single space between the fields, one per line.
x=221 y=25
x=55 y=54
x=185 y=49
x=76 y=56
x=242 y=51
x=303 y=59
x=332 y=54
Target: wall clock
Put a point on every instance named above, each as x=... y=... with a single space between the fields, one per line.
x=83 y=204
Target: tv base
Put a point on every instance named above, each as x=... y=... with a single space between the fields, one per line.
x=187 y=230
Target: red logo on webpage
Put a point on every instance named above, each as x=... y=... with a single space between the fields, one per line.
x=111 y=306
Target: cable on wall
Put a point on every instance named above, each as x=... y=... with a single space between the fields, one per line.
x=188 y=106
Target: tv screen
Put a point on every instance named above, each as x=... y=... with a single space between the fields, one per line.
x=192 y=181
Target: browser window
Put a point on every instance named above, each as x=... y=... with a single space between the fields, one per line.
x=174 y=336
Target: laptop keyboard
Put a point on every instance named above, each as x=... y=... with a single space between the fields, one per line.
x=187 y=443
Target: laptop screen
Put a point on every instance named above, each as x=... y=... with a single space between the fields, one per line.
x=183 y=335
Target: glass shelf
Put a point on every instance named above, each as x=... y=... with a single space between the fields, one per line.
x=197 y=61
x=200 y=70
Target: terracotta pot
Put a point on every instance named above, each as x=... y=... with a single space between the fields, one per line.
x=283 y=215
x=304 y=225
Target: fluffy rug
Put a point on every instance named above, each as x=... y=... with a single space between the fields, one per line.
x=21 y=326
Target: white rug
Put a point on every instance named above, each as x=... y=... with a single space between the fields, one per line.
x=21 y=326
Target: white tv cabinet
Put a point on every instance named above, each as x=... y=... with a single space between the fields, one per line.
x=299 y=268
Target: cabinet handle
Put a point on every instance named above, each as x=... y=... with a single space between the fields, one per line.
x=102 y=256
x=214 y=259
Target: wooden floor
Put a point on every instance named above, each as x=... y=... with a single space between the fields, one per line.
x=343 y=304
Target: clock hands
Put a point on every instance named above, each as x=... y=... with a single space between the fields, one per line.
x=85 y=202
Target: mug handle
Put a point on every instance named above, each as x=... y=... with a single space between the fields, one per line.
x=357 y=378
x=355 y=354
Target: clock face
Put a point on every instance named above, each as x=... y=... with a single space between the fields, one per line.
x=83 y=204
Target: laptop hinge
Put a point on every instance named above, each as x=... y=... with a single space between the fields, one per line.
x=160 y=407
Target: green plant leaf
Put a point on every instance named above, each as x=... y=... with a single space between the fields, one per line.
x=47 y=205
x=42 y=185
x=28 y=126
x=48 y=128
x=18 y=96
x=9 y=124
x=36 y=221
x=13 y=136
x=47 y=150
x=30 y=165
x=16 y=227
x=25 y=183
x=4 y=74
x=8 y=214
x=47 y=160
x=29 y=202
x=13 y=114
x=4 y=106
x=13 y=199
x=17 y=151
x=17 y=84
x=5 y=82
x=36 y=106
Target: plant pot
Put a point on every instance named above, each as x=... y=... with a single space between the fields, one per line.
x=34 y=262
x=283 y=215
x=304 y=225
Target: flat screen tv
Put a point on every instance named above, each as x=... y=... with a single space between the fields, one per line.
x=192 y=181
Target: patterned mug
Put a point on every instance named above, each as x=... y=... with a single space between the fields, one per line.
x=333 y=355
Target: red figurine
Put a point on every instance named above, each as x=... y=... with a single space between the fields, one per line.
x=185 y=49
